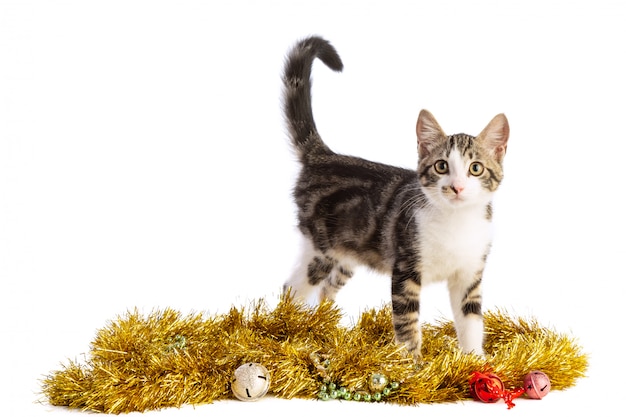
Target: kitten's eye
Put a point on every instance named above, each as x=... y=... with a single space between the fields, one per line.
x=441 y=167
x=476 y=169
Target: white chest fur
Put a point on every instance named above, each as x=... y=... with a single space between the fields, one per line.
x=453 y=243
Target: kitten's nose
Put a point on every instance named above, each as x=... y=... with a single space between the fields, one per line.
x=458 y=189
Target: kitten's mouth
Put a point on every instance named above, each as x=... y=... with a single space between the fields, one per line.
x=456 y=199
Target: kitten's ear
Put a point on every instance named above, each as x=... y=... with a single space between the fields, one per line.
x=429 y=133
x=495 y=136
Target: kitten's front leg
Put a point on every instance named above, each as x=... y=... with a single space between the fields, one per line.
x=405 y=304
x=466 y=302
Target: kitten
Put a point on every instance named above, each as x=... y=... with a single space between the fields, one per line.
x=423 y=226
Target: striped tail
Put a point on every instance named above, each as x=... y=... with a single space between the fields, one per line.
x=297 y=93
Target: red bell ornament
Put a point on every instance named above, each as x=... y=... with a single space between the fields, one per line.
x=487 y=387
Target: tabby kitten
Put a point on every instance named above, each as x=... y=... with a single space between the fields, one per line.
x=423 y=226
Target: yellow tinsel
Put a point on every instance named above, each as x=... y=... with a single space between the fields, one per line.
x=167 y=359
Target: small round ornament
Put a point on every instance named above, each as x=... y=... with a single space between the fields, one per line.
x=537 y=385
x=487 y=387
x=250 y=382
x=378 y=382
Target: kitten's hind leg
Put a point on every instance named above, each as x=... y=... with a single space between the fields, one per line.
x=466 y=302
x=338 y=277
x=313 y=269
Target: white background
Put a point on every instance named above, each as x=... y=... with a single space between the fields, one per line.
x=144 y=163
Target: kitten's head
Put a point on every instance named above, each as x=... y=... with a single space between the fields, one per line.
x=460 y=170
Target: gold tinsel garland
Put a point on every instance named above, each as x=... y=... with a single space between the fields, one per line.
x=166 y=359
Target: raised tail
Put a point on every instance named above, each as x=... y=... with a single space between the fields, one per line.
x=297 y=93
